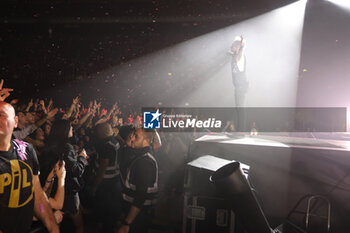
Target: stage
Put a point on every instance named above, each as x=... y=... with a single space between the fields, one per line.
x=286 y=167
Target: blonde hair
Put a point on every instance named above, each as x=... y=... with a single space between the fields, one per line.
x=104 y=130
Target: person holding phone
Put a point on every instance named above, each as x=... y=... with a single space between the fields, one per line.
x=56 y=180
x=58 y=148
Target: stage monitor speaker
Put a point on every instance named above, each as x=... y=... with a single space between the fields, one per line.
x=230 y=180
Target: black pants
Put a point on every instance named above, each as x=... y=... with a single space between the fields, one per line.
x=241 y=84
x=142 y=221
x=108 y=203
x=239 y=119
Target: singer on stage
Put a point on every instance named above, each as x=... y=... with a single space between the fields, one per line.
x=238 y=69
x=239 y=79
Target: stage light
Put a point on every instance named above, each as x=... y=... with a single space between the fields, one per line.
x=198 y=71
x=273 y=57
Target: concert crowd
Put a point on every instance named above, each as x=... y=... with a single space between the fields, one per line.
x=98 y=170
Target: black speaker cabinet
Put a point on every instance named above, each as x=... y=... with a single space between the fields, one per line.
x=207 y=214
x=205 y=209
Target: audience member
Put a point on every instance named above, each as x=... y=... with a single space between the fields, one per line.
x=139 y=174
x=58 y=148
x=107 y=187
x=18 y=203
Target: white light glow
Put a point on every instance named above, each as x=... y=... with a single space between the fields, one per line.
x=342 y=3
x=203 y=64
x=273 y=57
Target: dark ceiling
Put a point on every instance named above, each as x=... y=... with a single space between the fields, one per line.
x=75 y=11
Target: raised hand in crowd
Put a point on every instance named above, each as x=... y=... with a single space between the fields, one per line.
x=105 y=118
x=117 y=111
x=115 y=106
x=52 y=113
x=30 y=104
x=76 y=100
x=4 y=92
x=113 y=110
x=42 y=103
x=98 y=108
x=36 y=104
x=57 y=201
x=97 y=105
x=60 y=170
x=48 y=116
x=91 y=110
x=101 y=120
x=72 y=107
x=84 y=118
x=49 y=106
x=78 y=110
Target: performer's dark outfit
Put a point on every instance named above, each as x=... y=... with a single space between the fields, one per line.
x=240 y=83
x=239 y=80
x=139 y=175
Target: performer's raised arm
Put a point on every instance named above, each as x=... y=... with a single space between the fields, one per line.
x=237 y=48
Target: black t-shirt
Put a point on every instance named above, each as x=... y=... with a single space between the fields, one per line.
x=17 y=169
x=108 y=149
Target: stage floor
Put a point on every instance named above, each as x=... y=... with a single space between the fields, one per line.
x=292 y=140
x=286 y=167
